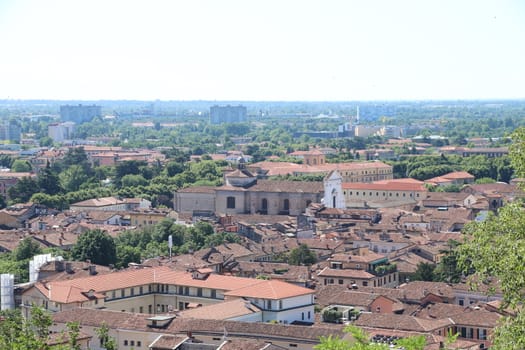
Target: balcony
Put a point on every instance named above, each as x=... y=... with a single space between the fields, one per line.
x=382 y=270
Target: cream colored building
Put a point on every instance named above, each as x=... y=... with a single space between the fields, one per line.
x=243 y=193
x=162 y=290
x=383 y=194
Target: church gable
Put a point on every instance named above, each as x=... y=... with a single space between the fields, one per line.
x=333 y=190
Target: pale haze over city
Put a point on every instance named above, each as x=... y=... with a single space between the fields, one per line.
x=262 y=50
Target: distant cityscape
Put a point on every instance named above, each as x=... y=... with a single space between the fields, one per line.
x=251 y=225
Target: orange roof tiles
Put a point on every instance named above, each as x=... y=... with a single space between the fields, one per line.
x=386 y=185
x=72 y=290
x=270 y=289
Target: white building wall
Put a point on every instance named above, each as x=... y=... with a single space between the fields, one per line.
x=333 y=190
x=305 y=313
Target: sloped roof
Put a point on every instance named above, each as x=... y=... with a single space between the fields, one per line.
x=346 y=273
x=387 y=185
x=401 y=322
x=99 y=202
x=270 y=289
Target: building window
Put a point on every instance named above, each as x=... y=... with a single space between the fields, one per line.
x=230 y=202
x=141 y=309
x=213 y=293
x=199 y=292
x=264 y=205
x=286 y=204
x=139 y=343
x=141 y=290
x=341 y=281
x=123 y=293
x=132 y=343
x=482 y=334
x=125 y=343
x=269 y=304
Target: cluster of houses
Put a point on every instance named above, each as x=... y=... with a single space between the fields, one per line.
x=368 y=231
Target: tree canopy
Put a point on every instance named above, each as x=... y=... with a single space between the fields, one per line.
x=96 y=246
x=495 y=250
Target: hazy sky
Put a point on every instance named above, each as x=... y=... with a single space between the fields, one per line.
x=262 y=50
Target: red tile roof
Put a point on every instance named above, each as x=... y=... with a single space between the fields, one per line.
x=387 y=185
x=270 y=289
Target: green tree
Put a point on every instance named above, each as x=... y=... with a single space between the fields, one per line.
x=127 y=254
x=131 y=180
x=424 y=272
x=48 y=181
x=447 y=269
x=96 y=246
x=106 y=341
x=22 y=191
x=73 y=333
x=73 y=177
x=26 y=249
x=21 y=166
x=302 y=255
x=495 y=250
x=19 y=333
x=45 y=141
x=361 y=341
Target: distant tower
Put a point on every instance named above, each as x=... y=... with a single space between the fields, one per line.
x=357 y=116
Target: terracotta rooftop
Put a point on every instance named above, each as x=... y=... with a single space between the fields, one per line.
x=369 y=257
x=71 y=290
x=270 y=289
x=392 y=185
x=139 y=322
x=99 y=202
x=401 y=322
x=198 y=189
x=347 y=273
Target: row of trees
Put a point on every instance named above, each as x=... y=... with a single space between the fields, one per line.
x=74 y=179
x=428 y=166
